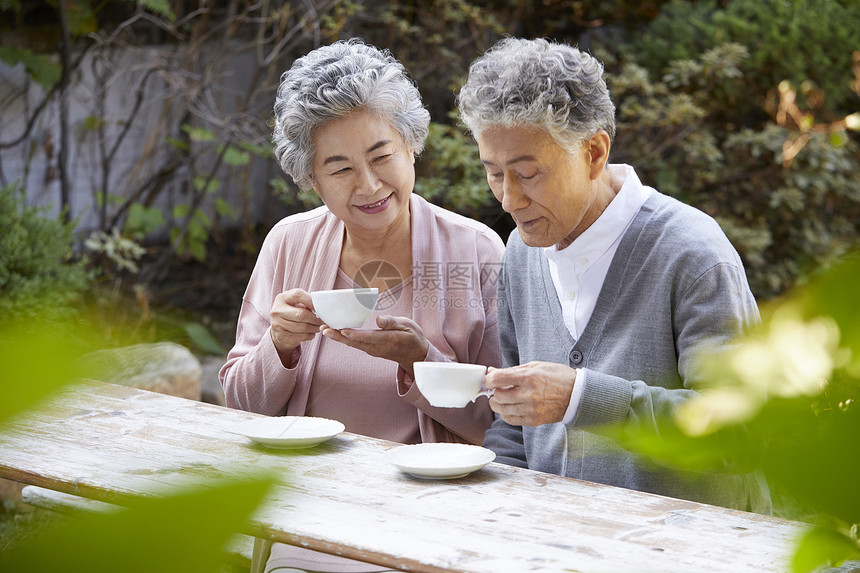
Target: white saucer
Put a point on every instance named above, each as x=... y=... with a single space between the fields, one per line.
x=289 y=432
x=439 y=461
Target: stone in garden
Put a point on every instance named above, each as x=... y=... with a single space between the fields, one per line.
x=163 y=367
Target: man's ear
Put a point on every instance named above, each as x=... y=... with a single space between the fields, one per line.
x=597 y=148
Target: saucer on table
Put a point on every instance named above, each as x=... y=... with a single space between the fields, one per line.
x=289 y=432
x=439 y=461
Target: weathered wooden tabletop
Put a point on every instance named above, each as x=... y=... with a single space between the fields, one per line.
x=108 y=442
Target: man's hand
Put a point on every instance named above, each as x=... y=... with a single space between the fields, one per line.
x=399 y=339
x=531 y=394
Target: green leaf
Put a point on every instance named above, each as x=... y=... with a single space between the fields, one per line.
x=235 y=158
x=92 y=123
x=838 y=138
x=829 y=448
x=43 y=69
x=161 y=7
x=200 y=218
x=198 y=133
x=114 y=199
x=834 y=293
x=197 y=250
x=210 y=186
x=177 y=143
x=279 y=185
x=182 y=532
x=38 y=362
x=823 y=546
x=224 y=209
x=143 y=220
x=181 y=211
x=264 y=151
x=200 y=336
x=81 y=19
x=735 y=448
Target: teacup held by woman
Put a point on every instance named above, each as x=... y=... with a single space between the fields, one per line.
x=450 y=384
x=344 y=308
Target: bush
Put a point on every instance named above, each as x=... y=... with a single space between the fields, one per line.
x=785 y=187
x=799 y=41
x=697 y=86
x=450 y=174
x=39 y=276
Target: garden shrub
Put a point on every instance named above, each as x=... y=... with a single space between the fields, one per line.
x=703 y=128
x=695 y=82
x=449 y=173
x=39 y=275
x=798 y=41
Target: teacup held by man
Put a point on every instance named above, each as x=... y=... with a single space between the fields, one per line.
x=450 y=384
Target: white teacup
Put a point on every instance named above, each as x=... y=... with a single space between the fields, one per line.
x=344 y=308
x=450 y=384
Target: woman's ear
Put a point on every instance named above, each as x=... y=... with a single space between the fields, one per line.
x=597 y=148
x=313 y=183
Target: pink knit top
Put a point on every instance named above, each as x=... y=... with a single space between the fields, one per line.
x=451 y=295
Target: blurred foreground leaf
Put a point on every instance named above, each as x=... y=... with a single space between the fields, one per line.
x=784 y=398
x=823 y=546
x=836 y=293
x=734 y=449
x=36 y=363
x=820 y=466
x=180 y=533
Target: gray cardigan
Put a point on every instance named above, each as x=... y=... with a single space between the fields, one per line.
x=675 y=283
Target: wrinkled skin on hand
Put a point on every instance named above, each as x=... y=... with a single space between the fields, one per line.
x=293 y=322
x=398 y=339
x=531 y=394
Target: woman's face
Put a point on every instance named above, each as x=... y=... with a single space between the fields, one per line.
x=364 y=172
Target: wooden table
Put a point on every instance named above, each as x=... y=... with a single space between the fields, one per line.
x=105 y=442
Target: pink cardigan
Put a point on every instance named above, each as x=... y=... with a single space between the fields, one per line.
x=457 y=312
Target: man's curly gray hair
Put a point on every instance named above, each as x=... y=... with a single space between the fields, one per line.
x=332 y=82
x=537 y=83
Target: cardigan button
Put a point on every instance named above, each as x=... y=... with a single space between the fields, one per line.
x=576 y=357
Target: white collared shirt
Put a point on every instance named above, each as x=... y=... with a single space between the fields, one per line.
x=579 y=270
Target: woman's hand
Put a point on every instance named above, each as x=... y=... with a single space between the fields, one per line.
x=399 y=339
x=293 y=322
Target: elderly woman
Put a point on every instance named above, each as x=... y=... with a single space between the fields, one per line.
x=349 y=123
x=608 y=287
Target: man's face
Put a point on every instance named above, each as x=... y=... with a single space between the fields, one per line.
x=549 y=192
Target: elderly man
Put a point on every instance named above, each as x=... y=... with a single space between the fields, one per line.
x=608 y=288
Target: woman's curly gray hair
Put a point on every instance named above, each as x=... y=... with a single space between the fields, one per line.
x=537 y=83
x=333 y=81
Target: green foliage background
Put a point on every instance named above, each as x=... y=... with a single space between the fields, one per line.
x=39 y=276
x=746 y=109
x=697 y=86
x=698 y=89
